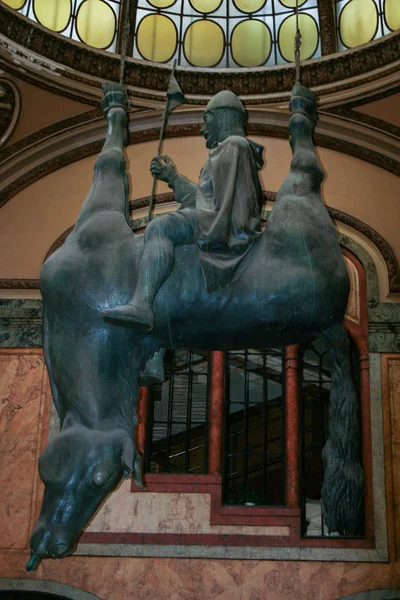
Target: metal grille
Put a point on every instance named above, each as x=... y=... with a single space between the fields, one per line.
x=254 y=428
x=177 y=426
x=315 y=384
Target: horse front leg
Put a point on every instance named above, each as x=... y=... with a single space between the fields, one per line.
x=342 y=494
x=109 y=192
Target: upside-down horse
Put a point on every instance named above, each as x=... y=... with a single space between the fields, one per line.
x=292 y=287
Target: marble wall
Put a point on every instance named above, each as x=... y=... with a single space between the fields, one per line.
x=24 y=404
x=24 y=413
x=155 y=512
x=391 y=405
x=111 y=578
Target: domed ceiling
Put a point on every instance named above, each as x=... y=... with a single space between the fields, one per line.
x=217 y=33
x=244 y=45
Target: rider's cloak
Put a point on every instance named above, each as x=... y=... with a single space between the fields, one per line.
x=229 y=198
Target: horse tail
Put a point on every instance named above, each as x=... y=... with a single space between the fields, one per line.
x=342 y=494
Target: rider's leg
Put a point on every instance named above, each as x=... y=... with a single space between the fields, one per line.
x=161 y=237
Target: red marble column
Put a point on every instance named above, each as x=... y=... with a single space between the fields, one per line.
x=292 y=427
x=216 y=412
x=142 y=410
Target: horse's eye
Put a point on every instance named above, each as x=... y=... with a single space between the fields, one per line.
x=99 y=477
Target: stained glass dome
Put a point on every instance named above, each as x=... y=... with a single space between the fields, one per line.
x=361 y=21
x=213 y=33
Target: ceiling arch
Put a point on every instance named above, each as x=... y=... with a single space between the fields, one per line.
x=50 y=149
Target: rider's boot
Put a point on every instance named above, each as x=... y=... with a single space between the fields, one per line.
x=137 y=313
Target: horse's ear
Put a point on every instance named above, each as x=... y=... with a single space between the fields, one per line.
x=131 y=462
x=128 y=452
x=137 y=471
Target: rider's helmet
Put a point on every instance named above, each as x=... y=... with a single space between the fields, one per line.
x=225 y=99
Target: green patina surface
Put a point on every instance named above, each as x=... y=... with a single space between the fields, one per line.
x=21 y=319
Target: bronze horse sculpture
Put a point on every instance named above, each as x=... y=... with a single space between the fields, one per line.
x=292 y=287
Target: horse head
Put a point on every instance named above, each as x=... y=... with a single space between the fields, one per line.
x=79 y=468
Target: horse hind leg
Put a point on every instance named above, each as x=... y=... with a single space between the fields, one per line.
x=342 y=494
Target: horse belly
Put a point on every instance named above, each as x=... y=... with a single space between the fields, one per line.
x=265 y=306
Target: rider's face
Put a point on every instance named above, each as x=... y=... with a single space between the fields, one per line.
x=210 y=129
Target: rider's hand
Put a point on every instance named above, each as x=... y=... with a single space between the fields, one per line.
x=163 y=168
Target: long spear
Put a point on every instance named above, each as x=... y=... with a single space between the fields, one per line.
x=175 y=98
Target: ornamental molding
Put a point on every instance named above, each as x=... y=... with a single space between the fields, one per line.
x=62 y=66
x=78 y=137
x=10 y=107
x=347 y=113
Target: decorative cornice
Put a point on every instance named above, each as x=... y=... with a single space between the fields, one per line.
x=357 y=151
x=19 y=284
x=62 y=60
x=384 y=248
x=374 y=97
x=48 y=167
x=145 y=201
x=169 y=197
x=12 y=98
x=373 y=122
x=46 y=132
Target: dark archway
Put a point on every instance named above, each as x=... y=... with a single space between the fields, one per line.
x=40 y=589
x=27 y=595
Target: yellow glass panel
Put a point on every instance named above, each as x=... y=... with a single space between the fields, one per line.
x=392 y=14
x=249 y=6
x=53 y=14
x=309 y=37
x=204 y=43
x=156 y=38
x=16 y=4
x=95 y=23
x=251 y=43
x=161 y=3
x=206 y=6
x=358 y=22
x=291 y=3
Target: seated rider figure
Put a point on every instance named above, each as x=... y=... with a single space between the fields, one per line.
x=221 y=214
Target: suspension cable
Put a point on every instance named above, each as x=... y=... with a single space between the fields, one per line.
x=124 y=44
x=297 y=44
